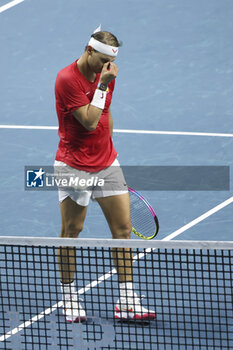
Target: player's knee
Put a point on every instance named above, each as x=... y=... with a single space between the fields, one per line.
x=123 y=232
x=71 y=230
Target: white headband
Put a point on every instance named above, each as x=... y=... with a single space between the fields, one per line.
x=101 y=47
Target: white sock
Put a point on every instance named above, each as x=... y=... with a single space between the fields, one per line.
x=68 y=289
x=126 y=289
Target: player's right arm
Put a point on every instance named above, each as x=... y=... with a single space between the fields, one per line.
x=89 y=115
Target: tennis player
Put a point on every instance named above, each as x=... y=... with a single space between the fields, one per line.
x=83 y=93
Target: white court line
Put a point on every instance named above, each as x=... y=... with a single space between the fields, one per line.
x=29 y=127
x=183 y=133
x=124 y=131
x=199 y=219
x=9 y=5
x=110 y=273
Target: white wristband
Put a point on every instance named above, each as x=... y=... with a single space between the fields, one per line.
x=99 y=99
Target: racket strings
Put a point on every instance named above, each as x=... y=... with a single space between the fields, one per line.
x=141 y=217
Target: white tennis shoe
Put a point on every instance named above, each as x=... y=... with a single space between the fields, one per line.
x=130 y=308
x=73 y=310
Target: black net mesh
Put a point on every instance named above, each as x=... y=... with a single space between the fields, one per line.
x=190 y=289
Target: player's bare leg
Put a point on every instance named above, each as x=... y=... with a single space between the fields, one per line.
x=73 y=216
x=117 y=212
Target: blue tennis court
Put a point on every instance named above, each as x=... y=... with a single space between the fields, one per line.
x=172 y=105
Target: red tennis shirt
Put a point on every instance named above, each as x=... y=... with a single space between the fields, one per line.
x=82 y=149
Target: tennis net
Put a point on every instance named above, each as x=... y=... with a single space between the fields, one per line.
x=188 y=283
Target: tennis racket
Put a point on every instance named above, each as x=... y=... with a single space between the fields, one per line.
x=144 y=220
